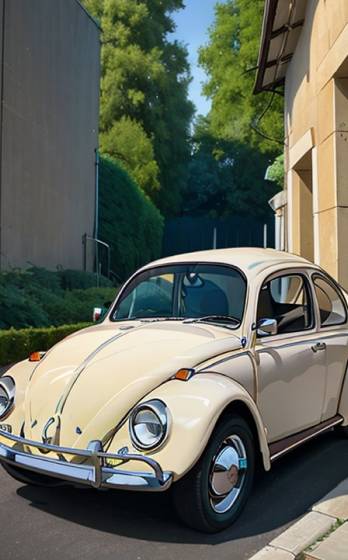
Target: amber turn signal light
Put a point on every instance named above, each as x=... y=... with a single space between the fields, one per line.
x=36 y=356
x=184 y=374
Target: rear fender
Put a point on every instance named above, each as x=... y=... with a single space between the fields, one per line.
x=343 y=403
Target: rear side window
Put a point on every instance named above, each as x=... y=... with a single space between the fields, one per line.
x=331 y=307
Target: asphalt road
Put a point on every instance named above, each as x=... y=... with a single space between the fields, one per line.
x=50 y=524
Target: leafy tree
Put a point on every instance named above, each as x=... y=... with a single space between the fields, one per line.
x=144 y=94
x=205 y=193
x=230 y=59
x=226 y=177
x=129 y=222
x=127 y=142
x=276 y=171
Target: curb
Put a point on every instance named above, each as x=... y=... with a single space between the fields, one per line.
x=319 y=535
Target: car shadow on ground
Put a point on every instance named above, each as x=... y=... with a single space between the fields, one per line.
x=295 y=483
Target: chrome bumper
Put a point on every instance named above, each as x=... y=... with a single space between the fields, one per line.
x=95 y=471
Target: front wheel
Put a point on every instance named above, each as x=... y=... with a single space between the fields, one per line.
x=212 y=495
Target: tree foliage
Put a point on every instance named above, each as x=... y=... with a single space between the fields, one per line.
x=129 y=222
x=127 y=142
x=145 y=113
x=276 y=171
x=144 y=95
x=230 y=60
x=226 y=177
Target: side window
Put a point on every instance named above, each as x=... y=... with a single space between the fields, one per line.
x=286 y=299
x=331 y=307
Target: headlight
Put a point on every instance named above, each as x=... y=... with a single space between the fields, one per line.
x=7 y=394
x=148 y=424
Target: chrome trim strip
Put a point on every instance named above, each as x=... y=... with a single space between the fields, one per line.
x=307 y=438
x=98 y=473
x=79 y=370
x=310 y=340
x=232 y=356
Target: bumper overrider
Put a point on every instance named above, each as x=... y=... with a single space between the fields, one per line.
x=90 y=467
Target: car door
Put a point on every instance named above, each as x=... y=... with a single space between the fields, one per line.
x=292 y=362
x=333 y=333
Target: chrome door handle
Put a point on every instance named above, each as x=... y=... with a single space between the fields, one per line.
x=319 y=346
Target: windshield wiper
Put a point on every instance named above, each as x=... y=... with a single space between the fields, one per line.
x=157 y=319
x=215 y=319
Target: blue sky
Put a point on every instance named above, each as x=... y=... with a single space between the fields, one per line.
x=192 y=30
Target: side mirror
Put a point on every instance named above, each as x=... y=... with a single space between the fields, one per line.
x=97 y=313
x=266 y=327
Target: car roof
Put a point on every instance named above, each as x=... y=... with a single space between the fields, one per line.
x=251 y=260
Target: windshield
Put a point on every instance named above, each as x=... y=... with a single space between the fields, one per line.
x=183 y=291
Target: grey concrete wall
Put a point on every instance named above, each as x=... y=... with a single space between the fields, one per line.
x=49 y=132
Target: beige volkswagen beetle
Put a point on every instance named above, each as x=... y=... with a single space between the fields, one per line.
x=206 y=364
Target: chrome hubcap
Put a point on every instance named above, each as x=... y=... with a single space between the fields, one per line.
x=227 y=474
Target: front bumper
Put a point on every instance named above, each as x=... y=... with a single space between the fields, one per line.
x=91 y=467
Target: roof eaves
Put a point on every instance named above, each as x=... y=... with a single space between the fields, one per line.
x=266 y=33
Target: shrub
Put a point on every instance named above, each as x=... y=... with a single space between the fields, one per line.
x=78 y=279
x=16 y=345
x=77 y=305
x=129 y=222
x=47 y=279
x=35 y=298
x=18 y=310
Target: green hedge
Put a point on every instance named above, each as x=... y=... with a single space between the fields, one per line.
x=129 y=222
x=43 y=298
x=16 y=345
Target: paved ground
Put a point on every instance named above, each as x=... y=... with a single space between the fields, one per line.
x=40 y=524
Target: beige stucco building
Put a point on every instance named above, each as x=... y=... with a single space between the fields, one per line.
x=305 y=45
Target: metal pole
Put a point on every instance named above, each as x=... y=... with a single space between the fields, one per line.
x=96 y=213
x=109 y=261
x=97 y=261
x=278 y=231
x=84 y=243
x=2 y=78
x=282 y=229
x=214 y=238
x=265 y=236
x=103 y=244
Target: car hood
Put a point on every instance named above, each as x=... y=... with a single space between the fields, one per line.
x=86 y=385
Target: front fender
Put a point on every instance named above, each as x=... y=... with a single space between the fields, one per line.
x=21 y=373
x=195 y=407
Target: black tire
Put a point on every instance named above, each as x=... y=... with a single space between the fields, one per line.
x=192 y=494
x=342 y=431
x=32 y=478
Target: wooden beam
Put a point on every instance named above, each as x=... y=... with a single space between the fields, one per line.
x=286 y=28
